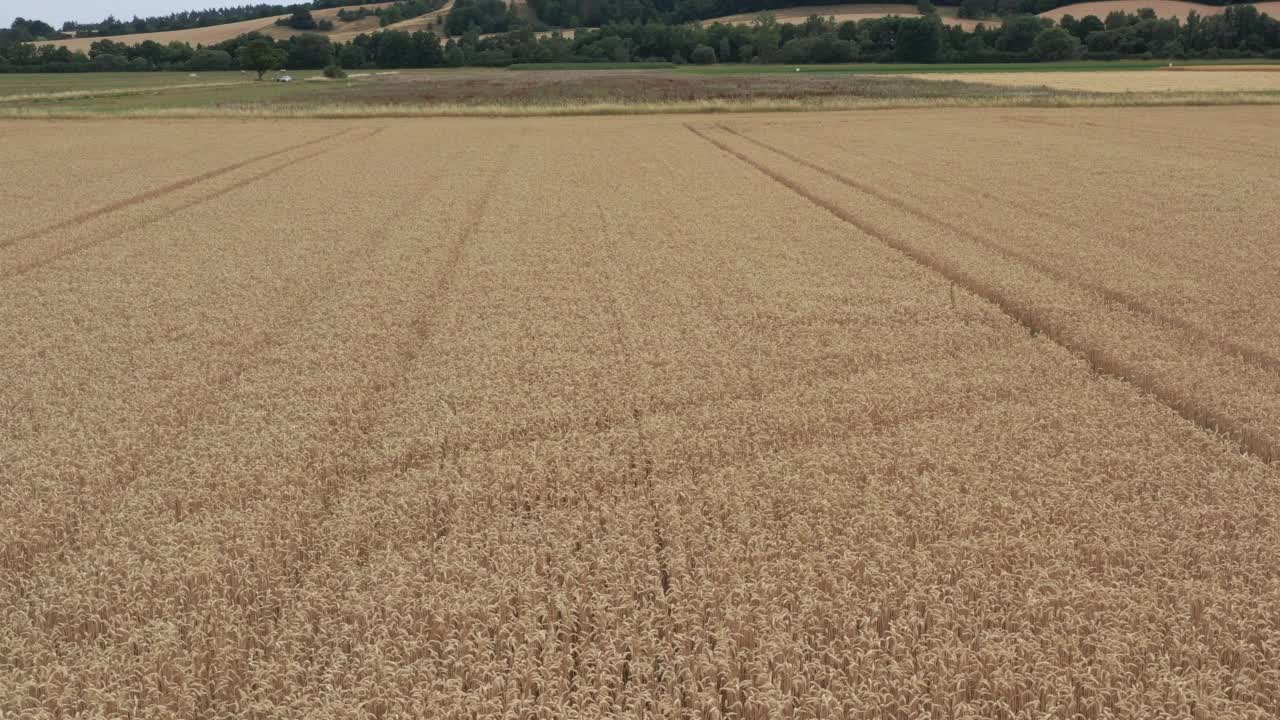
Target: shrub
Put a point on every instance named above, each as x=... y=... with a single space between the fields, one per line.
x=1056 y=44
x=825 y=49
x=702 y=55
x=206 y=59
x=107 y=62
x=335 y=72
x=352 y=57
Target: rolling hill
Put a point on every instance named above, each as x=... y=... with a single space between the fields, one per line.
x=218 y=33
x=1163 y=8
x=1100 y=8
x=346 y=31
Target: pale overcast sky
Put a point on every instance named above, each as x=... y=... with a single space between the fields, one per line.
x=55 y=12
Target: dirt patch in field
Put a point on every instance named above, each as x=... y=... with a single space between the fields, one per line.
x=639 y=86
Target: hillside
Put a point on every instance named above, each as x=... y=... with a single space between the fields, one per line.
x=346 y=31
x=1163 y=8
x=1101 y=8
x=218 y=33
x=433 y=21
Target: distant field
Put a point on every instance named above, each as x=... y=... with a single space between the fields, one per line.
x=433 y=20
x=995 y=68
x=635 y=88
x=593 y=66
x=963 y=414
x=109 y=92
x=1221 y=79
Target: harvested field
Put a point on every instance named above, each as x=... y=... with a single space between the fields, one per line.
x=433 y=21
x=195 y=36
x=771 y=419
x=215 y=34
x=1221 y=79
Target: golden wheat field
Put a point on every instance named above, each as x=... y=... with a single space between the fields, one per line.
x=757 y=416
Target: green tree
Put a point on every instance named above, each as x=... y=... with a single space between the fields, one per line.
x=260 y=55
x=206 y=59
x=108 y=62
x=453 y=55
x=1090 y=24
x=301 y=19
x=352 y=57
x=702 y=55
x=396 y=50
x=1056 y=44
x=976 y=9
x=309 y=51
x=919 y=40
x=766 y=36
x=1020 y=33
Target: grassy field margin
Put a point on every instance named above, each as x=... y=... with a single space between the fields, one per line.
x=340 y=111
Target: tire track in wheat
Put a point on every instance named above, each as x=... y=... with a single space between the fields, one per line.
x=1141 y=208
x=186 y=408
x=1254 y=356
x=1104 y=363
x=346 y=470
x=645 y=465
x=20 y=269
x=624 y=338
x=89 y=215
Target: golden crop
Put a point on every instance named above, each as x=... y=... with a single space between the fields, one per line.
x=905 y=414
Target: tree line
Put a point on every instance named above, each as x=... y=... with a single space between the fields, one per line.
x=598 y=13
x=558 y=13
x=1239 y=32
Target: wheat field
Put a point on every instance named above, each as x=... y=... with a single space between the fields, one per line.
x=751 y=416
